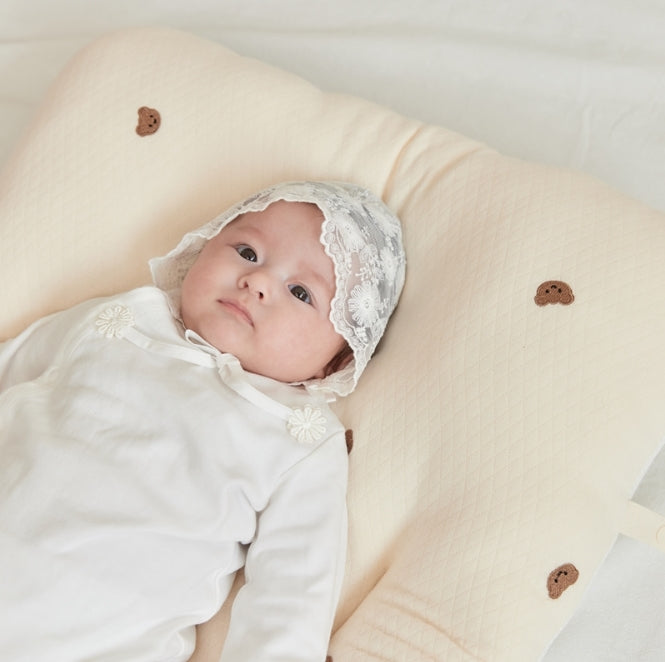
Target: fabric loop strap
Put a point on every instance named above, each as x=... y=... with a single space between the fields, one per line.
x=644 y=525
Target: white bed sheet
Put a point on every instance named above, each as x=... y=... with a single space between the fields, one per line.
x=580 y=85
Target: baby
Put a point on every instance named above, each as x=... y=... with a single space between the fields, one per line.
x=154 y=442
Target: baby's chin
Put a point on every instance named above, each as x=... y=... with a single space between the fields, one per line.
x=286 y=377
x=271 y=369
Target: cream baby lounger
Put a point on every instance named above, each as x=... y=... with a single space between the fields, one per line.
x=516 y=401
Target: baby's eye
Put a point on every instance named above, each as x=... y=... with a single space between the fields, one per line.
x=299 y=292
x=246 y=252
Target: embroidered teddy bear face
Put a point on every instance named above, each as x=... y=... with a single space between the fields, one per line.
x=554 y=291
x=560 y=579
x=149 y=121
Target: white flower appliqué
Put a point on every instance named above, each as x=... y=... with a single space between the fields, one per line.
x=114 y=320
x=365 y=304
x=307 y=425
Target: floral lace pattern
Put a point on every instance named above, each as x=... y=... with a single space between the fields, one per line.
x=362 y=237
x=307 y=425
x=113 y=321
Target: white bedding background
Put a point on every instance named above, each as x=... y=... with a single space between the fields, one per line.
x=578 y=84
x=570 y=83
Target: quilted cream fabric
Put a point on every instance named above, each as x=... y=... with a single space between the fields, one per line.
x=495 y=439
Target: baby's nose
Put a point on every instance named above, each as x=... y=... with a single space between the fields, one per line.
x=257 y=282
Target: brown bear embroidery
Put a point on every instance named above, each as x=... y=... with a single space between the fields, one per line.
x=149 y=121
x=560 y=579
x=554 y=291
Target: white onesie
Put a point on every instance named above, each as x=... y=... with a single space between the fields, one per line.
x=138 y=463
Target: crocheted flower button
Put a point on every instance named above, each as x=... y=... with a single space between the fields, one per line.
x=113 y=321
x=307 y=425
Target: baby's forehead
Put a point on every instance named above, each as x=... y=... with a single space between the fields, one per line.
x=241 y=222
x=278 y=212
x=291 y=226
x=287 y=208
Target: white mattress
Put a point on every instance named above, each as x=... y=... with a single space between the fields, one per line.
x=574 y=84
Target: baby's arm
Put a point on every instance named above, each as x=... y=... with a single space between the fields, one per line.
x=31 y=353
x=295 y=566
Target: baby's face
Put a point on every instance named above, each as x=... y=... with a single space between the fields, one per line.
x=261 y=290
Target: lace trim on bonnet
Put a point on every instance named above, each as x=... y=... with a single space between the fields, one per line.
x=362 y=237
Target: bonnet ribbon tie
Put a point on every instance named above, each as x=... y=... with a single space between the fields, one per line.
x=306 y=425
x=232 y=374
x=204 y=354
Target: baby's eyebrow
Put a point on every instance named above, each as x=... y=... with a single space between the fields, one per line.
x=319 y=281
x=247 y=230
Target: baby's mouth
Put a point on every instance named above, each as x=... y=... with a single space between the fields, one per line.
x=237 y=309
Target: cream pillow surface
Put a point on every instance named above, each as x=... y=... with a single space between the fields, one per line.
x=516 y=400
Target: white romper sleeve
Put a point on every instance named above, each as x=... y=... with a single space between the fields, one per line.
x=295 y=565
x=31 y=353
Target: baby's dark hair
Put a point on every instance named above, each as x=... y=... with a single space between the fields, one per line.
x=338 y=361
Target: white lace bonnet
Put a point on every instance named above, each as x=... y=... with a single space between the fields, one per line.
x=362 y=237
